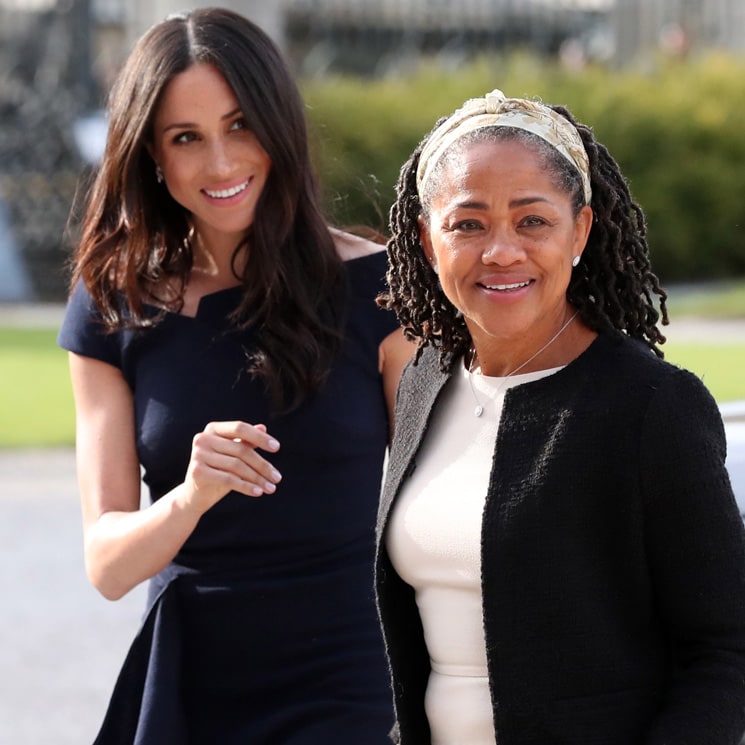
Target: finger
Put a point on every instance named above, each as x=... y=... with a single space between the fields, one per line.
x=214 y=479
x=237 y=457
x=244 y=452
x=234 y=472
x=255 y=435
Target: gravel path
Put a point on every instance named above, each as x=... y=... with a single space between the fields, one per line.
x=62 y=643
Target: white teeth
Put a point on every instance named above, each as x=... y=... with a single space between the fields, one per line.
x=225 y=193
x=507 y=287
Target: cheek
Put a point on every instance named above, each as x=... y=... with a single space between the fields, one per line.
x=452 y=268
x=452 y=259
x=178 y=181
x=173 y=166
x=250 y=150
x=438 y=246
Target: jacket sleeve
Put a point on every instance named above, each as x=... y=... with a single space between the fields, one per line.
x=696 y=549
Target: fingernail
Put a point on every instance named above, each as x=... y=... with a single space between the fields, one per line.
x=273 y=444
x=275 y=475
x=269 y=487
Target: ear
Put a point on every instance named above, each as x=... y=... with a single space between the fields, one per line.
x=153 y=151
x=426 y=240
x=582 y=226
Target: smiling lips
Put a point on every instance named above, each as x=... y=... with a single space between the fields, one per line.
x=226 y=193
x=506 y=288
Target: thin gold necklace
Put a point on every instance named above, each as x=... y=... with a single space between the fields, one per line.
x=479 y=410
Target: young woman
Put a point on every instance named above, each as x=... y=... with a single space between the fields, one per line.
x=561 y=559
x=225 y=343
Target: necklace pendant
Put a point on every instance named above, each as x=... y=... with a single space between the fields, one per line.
x=478 y=411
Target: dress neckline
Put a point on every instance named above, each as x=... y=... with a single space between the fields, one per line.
x=210 y=298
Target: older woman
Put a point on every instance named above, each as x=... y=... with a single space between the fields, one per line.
x=560 y=555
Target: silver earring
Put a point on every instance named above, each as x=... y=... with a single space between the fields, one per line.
x=435 y=269
x=575 y=261
x=158 y=173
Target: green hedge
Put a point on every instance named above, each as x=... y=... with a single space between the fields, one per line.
x=677 y=130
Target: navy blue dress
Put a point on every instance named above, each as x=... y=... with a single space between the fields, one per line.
x=263 y=631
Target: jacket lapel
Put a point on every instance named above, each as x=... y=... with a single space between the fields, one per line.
x=417 y=393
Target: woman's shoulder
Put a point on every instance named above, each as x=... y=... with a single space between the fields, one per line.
x=621 y=353
x=632 y=361
x=83 y=330
x=366 y=263
x=351 y=246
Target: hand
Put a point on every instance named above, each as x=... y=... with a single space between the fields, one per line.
x=224 y=459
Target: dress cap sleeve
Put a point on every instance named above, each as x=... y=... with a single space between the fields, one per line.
x=84 y=332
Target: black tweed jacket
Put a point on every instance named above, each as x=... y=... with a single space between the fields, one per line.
x=613 y=559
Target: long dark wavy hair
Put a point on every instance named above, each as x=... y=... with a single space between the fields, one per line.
x=612 y=287
x=135 y=236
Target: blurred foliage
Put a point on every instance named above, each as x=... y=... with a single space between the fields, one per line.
x=675 y=128
x=45 y=86
x=39 y=170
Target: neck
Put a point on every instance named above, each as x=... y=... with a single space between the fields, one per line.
x=215 y=262
x=540 y=355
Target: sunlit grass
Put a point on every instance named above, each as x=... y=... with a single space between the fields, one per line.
x=35 y=398
x=719 y=365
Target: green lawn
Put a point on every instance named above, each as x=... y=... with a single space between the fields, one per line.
x=36 y=406
x=720 y=366
x=35 y=398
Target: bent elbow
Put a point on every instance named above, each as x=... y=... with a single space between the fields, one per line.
x=106 y=588
x=110 y=593
x=105 y=582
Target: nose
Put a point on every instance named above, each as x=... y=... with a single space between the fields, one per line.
x=503 y=250
x=221 y=161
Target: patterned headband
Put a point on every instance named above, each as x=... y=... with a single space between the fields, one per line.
x=494 y=110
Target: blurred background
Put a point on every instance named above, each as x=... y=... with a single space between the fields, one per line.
x=661 y=81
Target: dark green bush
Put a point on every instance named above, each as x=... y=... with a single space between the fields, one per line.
x=676 y=129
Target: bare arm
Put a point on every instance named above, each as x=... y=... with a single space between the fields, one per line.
x=125 y=545
x=395 y=352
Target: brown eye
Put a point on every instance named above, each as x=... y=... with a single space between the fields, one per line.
x=183 y=138
x=533 y=221
x=467 y=225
